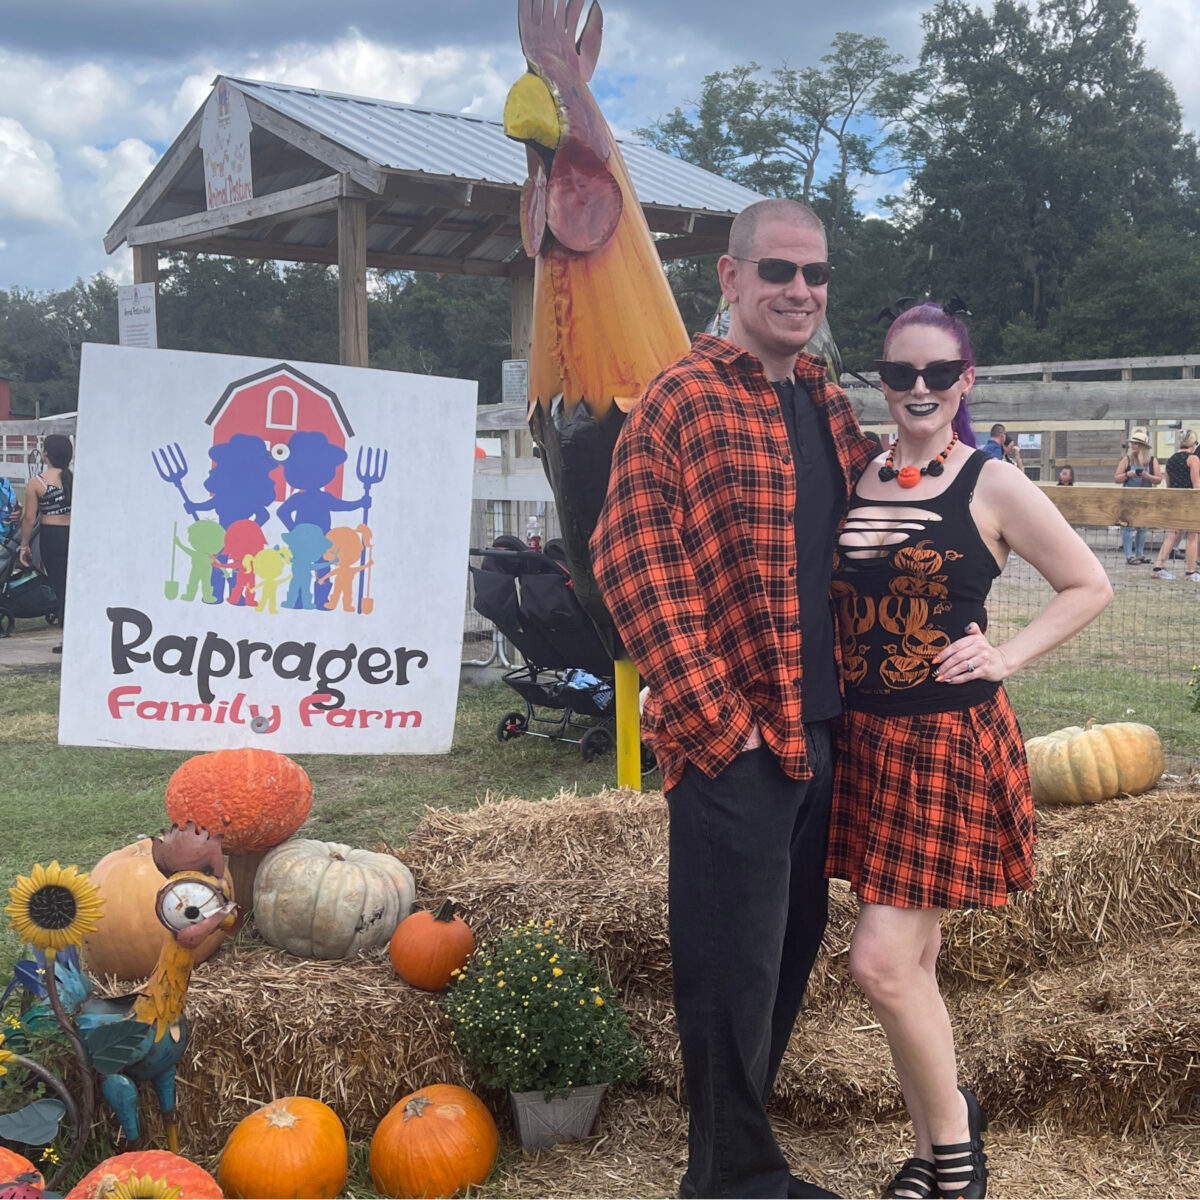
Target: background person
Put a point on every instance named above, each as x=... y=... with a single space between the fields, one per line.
x=932 y=808
x=714 y=552
x=1182 y=471
x=994 y=446
x=1137 y=468
x=1012 y=452
x=48 y=504
x=1066 y=475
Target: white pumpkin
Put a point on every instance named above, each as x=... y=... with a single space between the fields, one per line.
x=325 y=900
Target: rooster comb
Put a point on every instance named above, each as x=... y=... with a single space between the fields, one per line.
x=188 y=848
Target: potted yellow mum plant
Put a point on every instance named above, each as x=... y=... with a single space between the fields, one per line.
x=532 y=1015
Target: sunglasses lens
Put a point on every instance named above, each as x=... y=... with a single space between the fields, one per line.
x=939 y=376
x=816 y=274
x=897 y=375
x=776 y=270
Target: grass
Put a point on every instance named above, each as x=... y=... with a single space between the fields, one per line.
x=76 y=803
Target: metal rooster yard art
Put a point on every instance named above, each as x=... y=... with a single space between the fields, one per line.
x=604 y=319
x=142 y=1036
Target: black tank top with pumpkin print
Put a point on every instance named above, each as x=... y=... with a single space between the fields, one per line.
x=909 y=576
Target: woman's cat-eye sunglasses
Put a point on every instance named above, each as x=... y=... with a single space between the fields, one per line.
x=938 y=376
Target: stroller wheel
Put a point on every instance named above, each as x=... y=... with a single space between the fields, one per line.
x=594 y=743
x=511 y=725
x=52 y=618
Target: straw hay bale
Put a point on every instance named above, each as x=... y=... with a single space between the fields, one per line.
x=640 y=1150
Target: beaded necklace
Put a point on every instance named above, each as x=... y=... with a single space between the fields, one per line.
x=909 y=477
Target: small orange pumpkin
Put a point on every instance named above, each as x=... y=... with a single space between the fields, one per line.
x=253 y=798
x=434 y=1142
x=291 y=1147
x=129 y=936
x=160 y=1167
x=428 y=947
x=13 y=1164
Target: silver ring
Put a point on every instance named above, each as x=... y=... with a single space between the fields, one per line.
x=970 y=665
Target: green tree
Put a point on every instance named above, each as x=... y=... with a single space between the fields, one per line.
x=1034 y=132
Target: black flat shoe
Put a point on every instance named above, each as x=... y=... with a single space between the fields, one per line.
x=918 y=1177
x=962 y=1172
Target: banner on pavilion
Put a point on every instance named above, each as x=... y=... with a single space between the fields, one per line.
x=265 y=553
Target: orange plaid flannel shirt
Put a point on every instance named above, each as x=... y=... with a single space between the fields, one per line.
x=696 y=556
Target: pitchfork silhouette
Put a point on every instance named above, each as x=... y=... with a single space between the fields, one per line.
x=370 y=467
x=172 y=467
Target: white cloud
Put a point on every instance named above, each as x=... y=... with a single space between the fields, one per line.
x=111 y=177
x=30 y=186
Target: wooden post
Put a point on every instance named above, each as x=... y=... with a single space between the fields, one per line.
x=352 y=281
x=145 y=264
x=522 y=314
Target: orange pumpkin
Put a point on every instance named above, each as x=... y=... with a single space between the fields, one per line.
x=129 y=936
x=435 y=1142
x=253 y=798
x=291 y=1147
x=159 y=1166
x=903 y=671
x=428 y=947
x=13 y=1164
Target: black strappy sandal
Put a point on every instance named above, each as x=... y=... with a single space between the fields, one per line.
x=918 y=1177
x=962 y=1172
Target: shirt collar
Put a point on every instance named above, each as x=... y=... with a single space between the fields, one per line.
x=809 y=367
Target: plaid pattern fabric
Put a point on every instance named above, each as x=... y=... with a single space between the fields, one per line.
x=934 y=810
x=696 y=556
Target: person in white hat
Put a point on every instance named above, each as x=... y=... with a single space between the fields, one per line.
x=1137 y=468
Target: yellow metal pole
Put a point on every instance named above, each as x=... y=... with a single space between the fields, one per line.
x=629 y=725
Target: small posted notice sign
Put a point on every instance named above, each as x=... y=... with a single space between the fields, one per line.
x=137 y=321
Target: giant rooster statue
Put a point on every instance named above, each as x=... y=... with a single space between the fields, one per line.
x=604 y=320
x=129 y=1039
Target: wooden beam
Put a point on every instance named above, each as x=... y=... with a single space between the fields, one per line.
x=1034 y=400
x=417 y=232
x=495 y=418
x=1093 y=364
x=352 y=281
x=1149 y=508
x=343 y=161
x=693 y=246
x=307 y=198
x=522 y=317
x=145 y=264
x=157 y=182
x=481 y=234
x=474 y=195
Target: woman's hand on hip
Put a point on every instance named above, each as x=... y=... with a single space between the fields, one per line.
x=971 y=657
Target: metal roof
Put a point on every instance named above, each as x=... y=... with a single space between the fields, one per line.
x=442 y=189
x=425 y=141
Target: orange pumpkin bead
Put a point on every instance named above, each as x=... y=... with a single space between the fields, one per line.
x=428 y=947
x=177 y=1172
x=295 y=1146
x=435 y=1142
x=127 y=940
x=253 y=798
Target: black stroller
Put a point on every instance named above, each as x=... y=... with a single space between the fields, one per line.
x=23 y=592
x=527 y=595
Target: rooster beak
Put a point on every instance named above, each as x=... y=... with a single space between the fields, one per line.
x=531 y=114
x=227 y=917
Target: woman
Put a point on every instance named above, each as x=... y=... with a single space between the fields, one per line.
x=1012 y=452
x=1138 y=468
x=48 y=504
x=1066 y=475
x=932 y=808
x=1183 y=471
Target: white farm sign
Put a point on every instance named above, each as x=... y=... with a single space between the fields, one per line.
x=280 y=559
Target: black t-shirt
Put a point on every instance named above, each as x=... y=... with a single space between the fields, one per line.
x=820 y=492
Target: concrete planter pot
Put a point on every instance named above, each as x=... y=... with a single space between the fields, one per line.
x=542 y=1122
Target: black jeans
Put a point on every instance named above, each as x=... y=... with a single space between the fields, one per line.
x=54 y=542
x=748 y=904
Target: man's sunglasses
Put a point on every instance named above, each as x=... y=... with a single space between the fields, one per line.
x=783 y=270
x=938 y=376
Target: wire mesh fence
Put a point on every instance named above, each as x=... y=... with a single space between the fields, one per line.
x=1133 y=663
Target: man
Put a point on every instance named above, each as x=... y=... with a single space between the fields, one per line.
x=994 y=446
x=714 y=553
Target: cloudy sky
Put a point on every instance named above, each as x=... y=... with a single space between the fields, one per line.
x=95 y=90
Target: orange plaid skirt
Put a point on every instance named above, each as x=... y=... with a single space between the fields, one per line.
x=933 y=810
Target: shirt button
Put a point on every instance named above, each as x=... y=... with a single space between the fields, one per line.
x=791 y=570
x=795 y=626
x=787 y=458
x=796 y=681
x=789 y=517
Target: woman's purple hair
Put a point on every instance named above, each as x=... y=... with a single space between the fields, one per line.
x=935 y=316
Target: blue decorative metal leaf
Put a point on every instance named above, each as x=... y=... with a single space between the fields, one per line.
x=115 y=1044
x=36 y=1124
